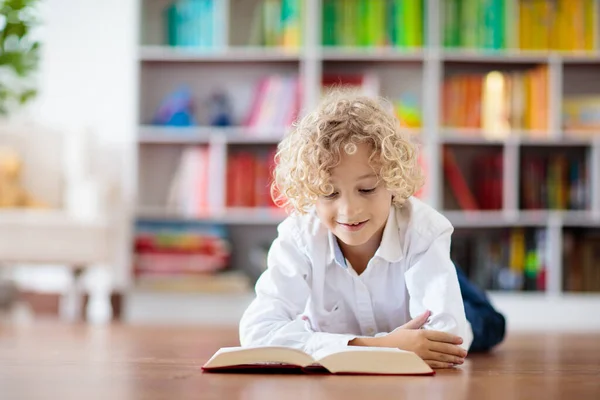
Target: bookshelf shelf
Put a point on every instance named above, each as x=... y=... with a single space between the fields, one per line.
x=585 y=58
x=523 y=218
x=229 y=216
x=419 y=73
x=230 y=54
x=469 y=136
x=205 y=135
x=495 y=57
x=371 y=54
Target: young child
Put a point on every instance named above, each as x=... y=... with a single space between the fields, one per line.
x=359 y=256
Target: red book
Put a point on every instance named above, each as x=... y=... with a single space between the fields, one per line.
x=457 y=182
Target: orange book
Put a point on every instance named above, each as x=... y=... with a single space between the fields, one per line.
x=544 y=95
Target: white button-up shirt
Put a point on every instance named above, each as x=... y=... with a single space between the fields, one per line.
x=310 y=298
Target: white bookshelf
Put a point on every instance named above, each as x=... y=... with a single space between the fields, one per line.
x=236 y=68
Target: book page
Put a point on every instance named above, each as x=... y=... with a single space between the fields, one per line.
x=372 y=360
x=264 y=355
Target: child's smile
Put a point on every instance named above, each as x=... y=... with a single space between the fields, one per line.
x=353 y=226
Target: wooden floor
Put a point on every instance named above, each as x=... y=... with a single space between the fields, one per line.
x=76 y=362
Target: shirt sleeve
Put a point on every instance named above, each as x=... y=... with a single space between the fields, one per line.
x=432 y=285
x=274 y=317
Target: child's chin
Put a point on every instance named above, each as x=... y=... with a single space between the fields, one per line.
x=352 y=239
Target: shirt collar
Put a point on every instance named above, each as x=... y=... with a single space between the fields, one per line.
x=390 y=248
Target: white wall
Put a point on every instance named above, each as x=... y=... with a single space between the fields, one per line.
x=88 y=80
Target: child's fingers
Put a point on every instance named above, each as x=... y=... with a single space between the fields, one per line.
x=417 y=322
x=448 y=348
x=438 y=364
x=438 y=336
x=443 y=357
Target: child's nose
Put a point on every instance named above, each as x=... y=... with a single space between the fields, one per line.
x=349 y=207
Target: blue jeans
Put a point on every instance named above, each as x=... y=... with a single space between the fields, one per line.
x=489 y=326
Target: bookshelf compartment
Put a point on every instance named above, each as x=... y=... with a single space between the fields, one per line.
x=239 y=83
x=268 y=23
x=495 y=101
x=399 y=83
x=249 y=176
x=157 y=166
x=502 y=259
x=581 y=259
x=554 y=178
x=472 y=179
x=373 y=24
x=186 y=24
x=527 y=25
x=252 y=243
x=581 y=100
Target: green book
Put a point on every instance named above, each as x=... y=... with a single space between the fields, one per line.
x=390 y=22
x=380 y=10
x=469 y=25
x=451 y=23
x=413 y=22
x=510 y=24
x=350 y=22
x=399 y=13
x=493 y=24
x=329 y=17
x=362 y=28
x=339 y=22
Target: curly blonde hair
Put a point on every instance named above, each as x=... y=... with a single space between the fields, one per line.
x=306 y=155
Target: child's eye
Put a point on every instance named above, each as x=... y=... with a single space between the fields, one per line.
x=330 y=196
x=367 y=191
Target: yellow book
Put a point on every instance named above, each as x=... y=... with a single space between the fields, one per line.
x=539 y=18
x=578 y=23
x=525 y=25
x=517 y=250
x=558 y=26
x=545 y=23
x=566 y=36
x=591 y=24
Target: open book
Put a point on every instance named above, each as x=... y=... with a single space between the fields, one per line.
x=344 y=360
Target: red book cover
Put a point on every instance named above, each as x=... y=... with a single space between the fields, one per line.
x=230 y=195
x=261 y=192
x=246 y=180
x=457 y=182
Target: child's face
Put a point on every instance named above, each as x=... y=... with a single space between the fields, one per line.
x=358 y=208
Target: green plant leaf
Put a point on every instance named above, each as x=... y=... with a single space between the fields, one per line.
x=17 y=51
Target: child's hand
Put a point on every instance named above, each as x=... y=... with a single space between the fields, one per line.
x=438 y=349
